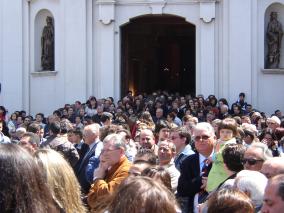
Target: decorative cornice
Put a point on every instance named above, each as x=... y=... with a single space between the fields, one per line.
x=169 y=2
x=207 y=10
x=103 y=2
x=157 y=6
x=106 y=11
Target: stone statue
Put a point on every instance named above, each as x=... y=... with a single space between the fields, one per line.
x=274 y=36
x=47 y=45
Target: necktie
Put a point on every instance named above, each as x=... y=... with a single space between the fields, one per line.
x=205 y=168
x=204 y=173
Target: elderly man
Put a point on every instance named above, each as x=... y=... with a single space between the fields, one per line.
x=273 y=166
x=90 y=161
x=246 y=182
x=273 y=123
x=147 y=140
x=255 y=156
x=30 y=142
x=273 y=201
x=159 y=115
x=166 y=154
x=195 y=168
x=112 y=170
x=181 y=138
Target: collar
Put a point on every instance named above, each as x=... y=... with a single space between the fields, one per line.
x=93 y=144
x=202 y=157
x=187 y=150
x=171 y=163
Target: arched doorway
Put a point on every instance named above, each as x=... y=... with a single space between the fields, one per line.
x=158 y=52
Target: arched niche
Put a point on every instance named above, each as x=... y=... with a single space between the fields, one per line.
x=40 y=23
x=279 y=9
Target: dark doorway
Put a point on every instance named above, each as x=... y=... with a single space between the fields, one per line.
x=158 y=52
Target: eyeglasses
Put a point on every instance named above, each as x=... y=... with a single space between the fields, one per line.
x=251 y=161
x=203 y=137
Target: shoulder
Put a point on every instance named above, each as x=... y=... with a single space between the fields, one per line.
x=190 y=160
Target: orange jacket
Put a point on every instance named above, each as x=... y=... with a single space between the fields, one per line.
x=114 y=177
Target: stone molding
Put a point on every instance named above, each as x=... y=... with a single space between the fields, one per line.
x=106 y=11
x=157 y=6
x=279 y=71
x=207 y=11
x=44 y=73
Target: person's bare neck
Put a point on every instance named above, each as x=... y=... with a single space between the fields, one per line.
x=206 y=154
x=180 y=149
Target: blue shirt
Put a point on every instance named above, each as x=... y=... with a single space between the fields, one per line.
x=181 y=156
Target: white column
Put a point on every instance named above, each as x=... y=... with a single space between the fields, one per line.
x=26 y=56
x=89 y=49
x=207 y=49
x=1 y=52
x=105 y=50
x=12 y=54
x=75 y=46
x=240 y=49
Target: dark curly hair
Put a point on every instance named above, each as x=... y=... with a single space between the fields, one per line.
x=233 y=155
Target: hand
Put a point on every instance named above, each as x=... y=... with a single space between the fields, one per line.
x=100 y=172
x=104 y=165
x=204 y=183
x=209 y=160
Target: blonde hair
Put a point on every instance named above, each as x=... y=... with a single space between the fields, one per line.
x=61 y=180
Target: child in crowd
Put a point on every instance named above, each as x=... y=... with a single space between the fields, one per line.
x=227 y=132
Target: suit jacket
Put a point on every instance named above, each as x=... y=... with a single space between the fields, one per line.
x=190 y=181
x=82 y=165
x=113 y=179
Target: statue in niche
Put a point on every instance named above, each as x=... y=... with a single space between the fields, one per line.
x=47 y=45
x=274 y=36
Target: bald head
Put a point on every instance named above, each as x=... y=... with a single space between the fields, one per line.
x=273 y=166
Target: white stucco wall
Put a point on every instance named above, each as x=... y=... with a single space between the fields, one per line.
x=239 y=49
x=11 y=54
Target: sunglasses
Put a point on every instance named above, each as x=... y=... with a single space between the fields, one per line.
x=203 y=137
x=251 y=161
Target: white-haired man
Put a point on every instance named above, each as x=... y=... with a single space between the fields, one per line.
x=195 y=168
x=90 y=161
x=255 y=156
x=246 y=182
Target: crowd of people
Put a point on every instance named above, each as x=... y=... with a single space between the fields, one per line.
x=148 y=153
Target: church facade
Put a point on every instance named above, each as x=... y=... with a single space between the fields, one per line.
x=107 y=47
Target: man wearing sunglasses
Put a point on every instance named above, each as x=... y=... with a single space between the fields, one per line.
x=195 y=168
x=255 y=156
